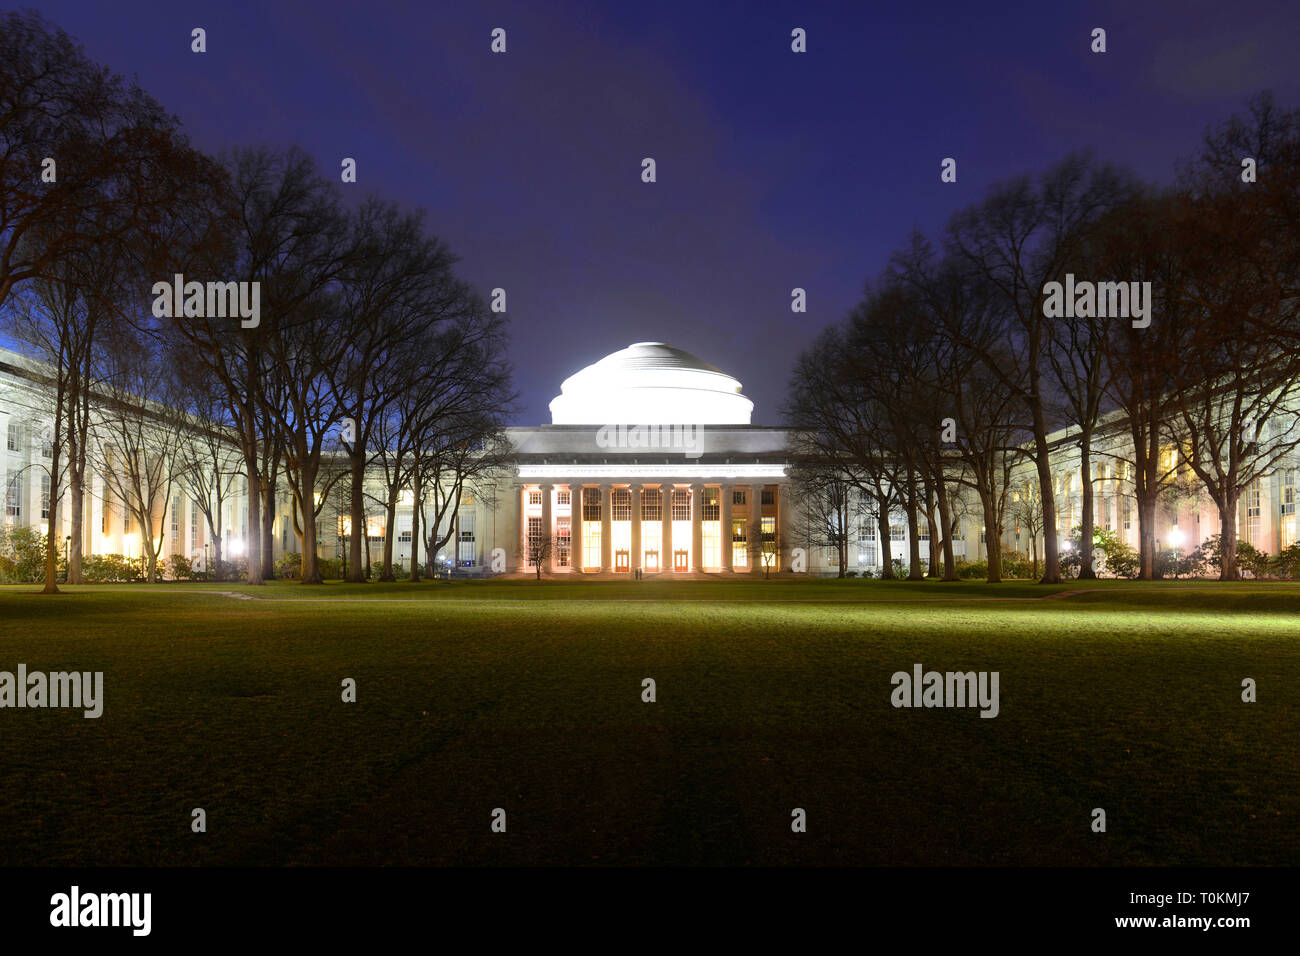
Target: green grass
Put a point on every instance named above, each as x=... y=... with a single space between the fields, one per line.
x=771 y=695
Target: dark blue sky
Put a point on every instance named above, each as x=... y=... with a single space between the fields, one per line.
x=775 y=170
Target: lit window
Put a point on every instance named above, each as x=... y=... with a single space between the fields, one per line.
x=534 y=497
x=710 y=505
x=562 y=497
x=620 y=505
x=651 y=504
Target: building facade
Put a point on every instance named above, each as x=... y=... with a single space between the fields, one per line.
x=650 y=466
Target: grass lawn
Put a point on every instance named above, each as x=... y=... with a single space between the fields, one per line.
x=771 y=695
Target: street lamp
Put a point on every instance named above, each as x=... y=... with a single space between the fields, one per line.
x=206 y=576
x=67 y=552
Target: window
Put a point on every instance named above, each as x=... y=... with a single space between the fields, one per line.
x=534 y=555
x=563 y=540
x=590 y=508
x=1128 y=512
x=681 y=504
x=194 y=526
x=176 y=521
x=465 y=548
x=923 y=533
x=620 y=504
x=769 y=529
x=14 y=497
x=897 y=532
x=710 y=505
x=106 y=513
x=534 y=497
x=47 y=446
x=15 y=438
x=769 y=496
x=867 y=530
x=45 y=496
x=739 y=545
x=711 y=544
x=1288 y=492
x=652 y=504
x=562 y=497
x=737 y=497
x=1252 y=501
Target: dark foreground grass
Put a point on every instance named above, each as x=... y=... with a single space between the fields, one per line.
x=771 y=696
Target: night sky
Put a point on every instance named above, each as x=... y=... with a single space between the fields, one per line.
x=775 y=169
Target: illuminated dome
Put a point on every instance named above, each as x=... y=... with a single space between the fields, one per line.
x=650 y=383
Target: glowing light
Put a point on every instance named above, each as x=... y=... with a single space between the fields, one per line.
x=236 y=546
x=650 y=383
x=1176 y=537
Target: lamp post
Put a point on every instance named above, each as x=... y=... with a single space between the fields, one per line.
x=206 y=573
x=67 y=552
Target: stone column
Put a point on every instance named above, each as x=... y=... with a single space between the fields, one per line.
x=521 y=563
x=548 y=528
x=724 y=527
x=666 y=527
x=635 y=563
x=784 y=530
x=697 y=527
x=575 y=526
x=606 y=545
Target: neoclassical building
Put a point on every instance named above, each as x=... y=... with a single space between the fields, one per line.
x=650 y=464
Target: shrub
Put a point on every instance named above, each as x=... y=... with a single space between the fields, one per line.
x=868 y=573
x=180 y=568
x=972 y=569
x=111 y=568
x=1249 y=558
x=331 y=569
x=1287 y=563
x=22 y=555
x=1016 y=565
x=289 y=565
x=899 y=567
x=850 y=574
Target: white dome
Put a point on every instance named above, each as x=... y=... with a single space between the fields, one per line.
x=650 y=383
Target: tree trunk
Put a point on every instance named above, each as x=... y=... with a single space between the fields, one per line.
x=1146 y=507
x=77 y=495
x=415 y=530
x=1051 y=547
x=887 y=562
x=945 y=522
x=268 y=534
x=1086 y=530
x=358 y=512
x=390 y=526
x=992 y=552
x=253 y=545
x=1229 y=571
